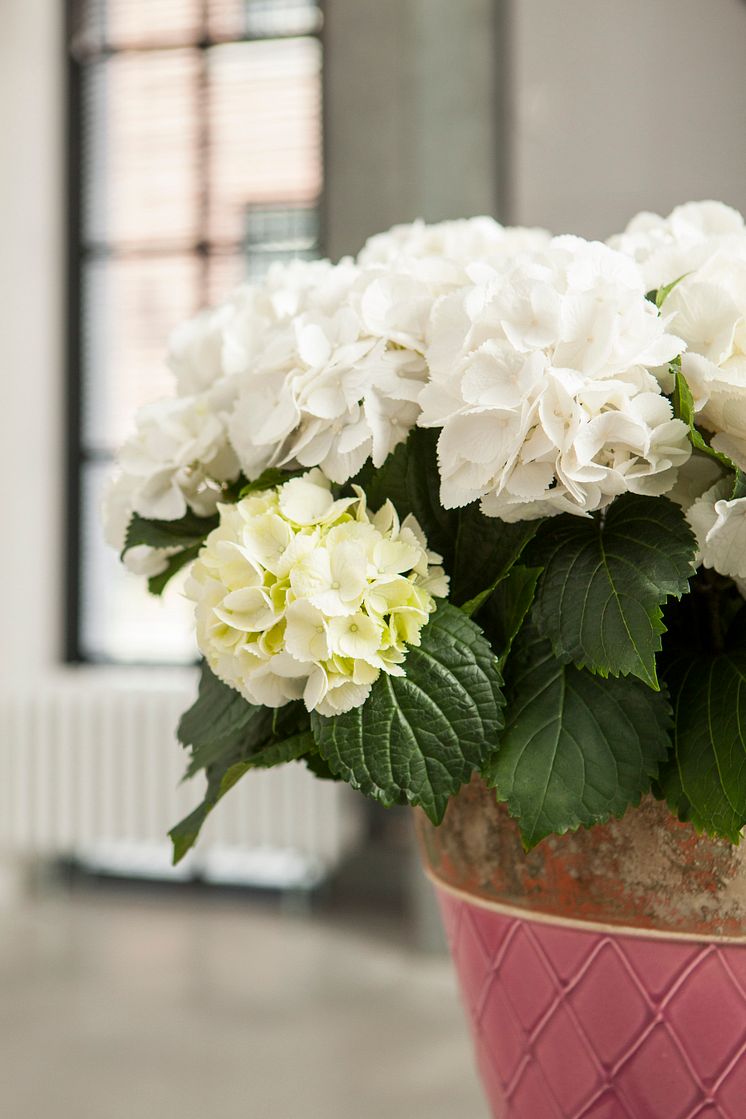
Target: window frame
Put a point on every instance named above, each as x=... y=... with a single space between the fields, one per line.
x=77 y=253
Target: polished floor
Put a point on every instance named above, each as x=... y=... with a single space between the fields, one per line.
x=135 y=1004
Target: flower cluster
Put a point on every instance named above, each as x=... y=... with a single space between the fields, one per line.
x=700 y=249
x=338 y=382
x=716 y=515
x=719 y=523
x=299 y=595
x=460 y=243
x=667 y=248
x=317 y=365
x=181 y=453
x=540 y=378
x=541 y=360
x=178 y=460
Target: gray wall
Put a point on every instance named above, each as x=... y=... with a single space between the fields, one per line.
x=572 y=114
x=410 y=123
x=618 y=107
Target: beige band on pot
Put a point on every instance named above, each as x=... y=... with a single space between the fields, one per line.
x=578 y=923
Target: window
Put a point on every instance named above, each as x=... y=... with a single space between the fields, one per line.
x=195 y=162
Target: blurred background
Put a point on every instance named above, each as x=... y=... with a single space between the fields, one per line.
x=154 y=153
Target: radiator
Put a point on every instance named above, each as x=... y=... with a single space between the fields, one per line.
x=90 y=768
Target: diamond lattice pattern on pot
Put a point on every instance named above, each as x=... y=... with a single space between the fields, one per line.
x=574 y=1024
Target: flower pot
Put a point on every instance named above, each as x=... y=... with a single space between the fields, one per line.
x=604 y=972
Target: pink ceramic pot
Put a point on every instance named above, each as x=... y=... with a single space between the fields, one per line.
x=604 y=973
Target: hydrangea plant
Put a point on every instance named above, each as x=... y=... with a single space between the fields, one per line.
x=474 y=502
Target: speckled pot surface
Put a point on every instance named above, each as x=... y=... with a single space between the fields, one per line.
x=603 y=973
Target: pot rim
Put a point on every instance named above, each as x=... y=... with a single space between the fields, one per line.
x=577 y=923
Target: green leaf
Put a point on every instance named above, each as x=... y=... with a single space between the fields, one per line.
x=231 y=491
x=320 y=768
x=157 y=583
x=267 y=480
x=477 y=550
x=739 y=486
x=184 y=533
x=187 y=534
x=419 y=737
x=667 y=787
x=708 y=777
x=277 y=753
x=734 y=618
x=409 y=478
x=682 y=402
x=663 y=293
x=660 y=295
x=507 y=607
x=289 y=720
x=486 y=549
x=605 y=578
x=190 y=531
x=222 y=777
x=184 y=835
x=229 y=736
x=577 y=749
x=220 y=721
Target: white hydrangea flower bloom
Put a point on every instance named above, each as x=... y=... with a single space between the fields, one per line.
x=222 y=341
x=695 y=477
x=667 y=248
x=317 y=365
x=708 y=309
x=259 y=308
x=703 y=246
x=195 y=350
x=179 y=456
x=719 y=524
x=463 y=241
x=338 y=382
x=301 y=596
x=540 y=379
x=358 y=401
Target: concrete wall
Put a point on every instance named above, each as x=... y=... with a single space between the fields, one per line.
x=410 y=123
x=618 y=107
x=31 y=305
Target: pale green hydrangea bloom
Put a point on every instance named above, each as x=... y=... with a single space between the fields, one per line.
x=301 y=596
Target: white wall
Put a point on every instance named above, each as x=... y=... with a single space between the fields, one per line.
x=31 y=287
x=623 y=106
